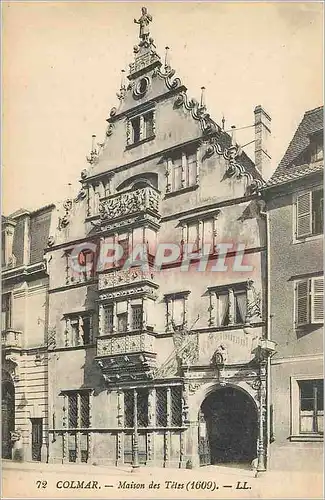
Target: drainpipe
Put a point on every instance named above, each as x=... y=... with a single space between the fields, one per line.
x=268 y=335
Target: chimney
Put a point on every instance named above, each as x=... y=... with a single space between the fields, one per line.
x=262 y=141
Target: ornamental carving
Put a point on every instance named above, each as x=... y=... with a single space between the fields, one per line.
x=129 y=202
x=122 y=277
x=234 y=169
x=141 y=290
x=168 y=77
x=197 y=111
x=127 y=344
x=65 y=219
x=220 y=356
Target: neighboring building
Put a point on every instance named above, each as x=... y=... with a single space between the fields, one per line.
x=24 y=334
x=295 y=208
x=166 y=368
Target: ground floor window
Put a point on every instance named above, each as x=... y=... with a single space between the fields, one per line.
x=311 y=406
x=307 y=408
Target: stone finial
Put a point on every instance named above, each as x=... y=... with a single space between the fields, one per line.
x=202 y=100
x=144 y=21
x=167 y=59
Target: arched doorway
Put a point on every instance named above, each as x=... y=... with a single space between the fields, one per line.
x=7 y=416
x=228 y=427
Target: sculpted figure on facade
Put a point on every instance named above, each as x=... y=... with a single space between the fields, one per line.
x=144 y=21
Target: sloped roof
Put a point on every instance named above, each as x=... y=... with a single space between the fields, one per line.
x=293 y=165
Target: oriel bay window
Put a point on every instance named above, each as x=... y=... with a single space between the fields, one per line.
x=122 y=316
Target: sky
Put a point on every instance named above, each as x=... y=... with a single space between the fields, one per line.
x=62 y=63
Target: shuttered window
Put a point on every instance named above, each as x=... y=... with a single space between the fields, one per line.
x=309 y=214
x=309 y=301
x=317 y=300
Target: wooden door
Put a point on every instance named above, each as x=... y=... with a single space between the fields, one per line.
x=37 y=438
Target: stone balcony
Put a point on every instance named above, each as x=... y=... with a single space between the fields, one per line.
x=126 y=357
x=11 y=339
x=130 y=203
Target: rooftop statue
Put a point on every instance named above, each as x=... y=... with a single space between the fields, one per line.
x=144 y=21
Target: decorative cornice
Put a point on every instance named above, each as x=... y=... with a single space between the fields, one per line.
x=234 y=169
x=198 y=112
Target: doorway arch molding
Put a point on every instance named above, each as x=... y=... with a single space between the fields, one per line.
x=196 y=399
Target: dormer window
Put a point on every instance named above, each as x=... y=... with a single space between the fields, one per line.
x=140 y=128
x=317 y=151
x=316 y=146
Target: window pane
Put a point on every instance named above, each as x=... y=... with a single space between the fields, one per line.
x=87 y=330
x=320 y=423
x=128 y=408
x=122 y=322
x=142 y=407
x=84 y=410
x=178 y=311
x=177 y=175
x=223 y=309
x=307 y=404
x=136 y=129
x=191 y=165
x=108 y=319
x=208 y=234
x=320 y=394
x=176 y=406
x=74 y=323
x=73 y=410
x=306 y=424
x=72 y=447
x=307 y=388
x=161 y=407
x=136 y=317
x=240 y=307
x=193 y=236
x=148 y=124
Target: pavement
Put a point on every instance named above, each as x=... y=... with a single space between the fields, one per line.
x=40 y=480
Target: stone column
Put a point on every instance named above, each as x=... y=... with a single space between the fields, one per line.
x=120 y=424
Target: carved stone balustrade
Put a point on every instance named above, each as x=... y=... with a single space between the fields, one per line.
x=129 y=203
x=128 y=357
x=11 y=339
x=109 y=345
x=119 y=278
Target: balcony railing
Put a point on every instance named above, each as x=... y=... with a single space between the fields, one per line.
x=130 y=202
x=142 y=342
x=11 y=338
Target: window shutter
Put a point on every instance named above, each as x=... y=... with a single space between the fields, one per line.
x=304 y=215
x=302 y=295
x=317 y=297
